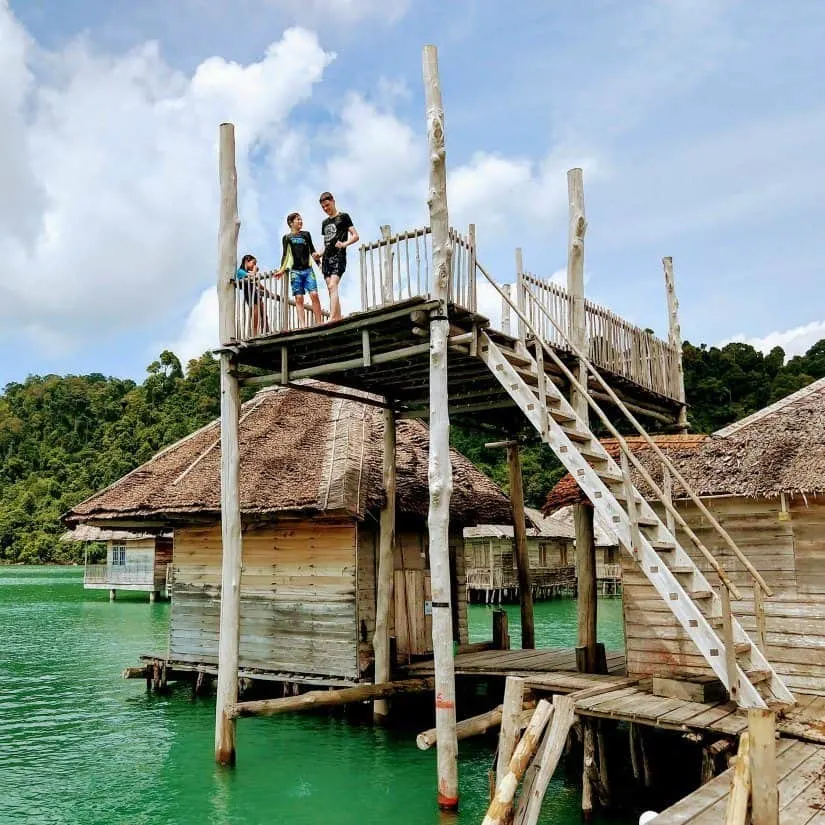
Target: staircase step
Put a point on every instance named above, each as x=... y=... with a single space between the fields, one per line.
x=742 y=648
x=577 y=435
x=698 y=595
x=648 y=521
x=560 y=416
x=592 y=455
x=608 y=475
x=662 y=546
x=682 y=569
x=515 y=357
x=757 y=676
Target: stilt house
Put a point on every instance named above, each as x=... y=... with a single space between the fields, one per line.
x=492 y=575
x=134 y=561
x=311 y=487
x=763 y=478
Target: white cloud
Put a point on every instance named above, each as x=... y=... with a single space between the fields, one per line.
x=795 y=341
x=111 y=184
x=200 y=329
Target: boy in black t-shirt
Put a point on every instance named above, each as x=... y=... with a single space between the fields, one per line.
x=297 y=251
x=339 y=233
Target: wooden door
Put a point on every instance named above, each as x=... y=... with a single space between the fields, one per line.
x=413 y=613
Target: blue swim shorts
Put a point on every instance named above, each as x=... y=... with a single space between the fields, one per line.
x=302 y=281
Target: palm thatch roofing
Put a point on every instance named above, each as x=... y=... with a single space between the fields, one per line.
x=777 y=450
x=300 y=453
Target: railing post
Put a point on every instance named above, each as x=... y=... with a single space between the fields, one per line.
x=505 y=310
x=386 y=266
x=440 y=465
x=521 y=296
x=674 y=337
x=575 y=278
x=471 y=275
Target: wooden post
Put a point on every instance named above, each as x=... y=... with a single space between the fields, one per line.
x=525 y=584
x=505 y=311
x=227 y=234
x=736 y=812
x=501 y=630
x=764 y=787
x=730 y=645
x=386 y=266
x=759 y=610
x=588 y=768
x=511 y=711
x=521 y=296
x=471 y=236
x=583 y=513
x=502 y=803
x=674 y=337
x=386 y=544
x=227 y=688
x=440 y=467
x=586 y=586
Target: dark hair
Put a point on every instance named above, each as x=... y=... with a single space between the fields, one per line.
x=325 y=196
x=291 y=217
x=245 y=260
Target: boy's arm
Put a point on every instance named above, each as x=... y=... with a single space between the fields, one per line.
x=353 y=236
x=284 y=251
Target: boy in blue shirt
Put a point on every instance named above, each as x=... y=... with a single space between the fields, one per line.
x=298 y=253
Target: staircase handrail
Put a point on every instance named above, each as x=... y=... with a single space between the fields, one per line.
x=625 y=447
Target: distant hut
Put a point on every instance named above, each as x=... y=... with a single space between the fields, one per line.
x=311 y=489
x=135 y=561
x=763 y=478
x=491 y=564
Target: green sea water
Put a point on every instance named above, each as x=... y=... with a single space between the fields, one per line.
x=78 y=744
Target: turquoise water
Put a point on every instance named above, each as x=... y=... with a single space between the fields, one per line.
x=78 y=744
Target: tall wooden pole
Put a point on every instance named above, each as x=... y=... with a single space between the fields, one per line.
x=525 y=585
x=582 y=513
x=674 y=337
x=386 y=545
x=227 y=687
x=440 y=468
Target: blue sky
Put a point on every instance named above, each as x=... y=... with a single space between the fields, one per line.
x=700 y=125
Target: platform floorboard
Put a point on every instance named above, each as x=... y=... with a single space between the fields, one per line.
x=801 y=791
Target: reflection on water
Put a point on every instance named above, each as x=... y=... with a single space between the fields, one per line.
x=79 y=744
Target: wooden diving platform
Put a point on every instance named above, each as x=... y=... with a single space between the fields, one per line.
x=385 y=351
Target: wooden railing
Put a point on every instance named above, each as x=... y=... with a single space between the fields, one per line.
x=398 y=267
x=615 y=345
x=263 y=306
x=119 y=574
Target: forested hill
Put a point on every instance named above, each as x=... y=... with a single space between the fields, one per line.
x=62 y=438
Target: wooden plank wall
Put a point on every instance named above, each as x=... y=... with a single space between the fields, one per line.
x=298 y=612
x=138 y=551
x=795 y=620
x=366 y=578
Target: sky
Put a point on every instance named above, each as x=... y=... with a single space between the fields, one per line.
x=699 y=124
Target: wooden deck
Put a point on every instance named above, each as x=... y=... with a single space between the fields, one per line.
x=385 y=351
x=528 y=663
x=801 y=776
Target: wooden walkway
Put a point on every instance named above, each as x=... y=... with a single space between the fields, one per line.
x=518 y=663
x=801 y=776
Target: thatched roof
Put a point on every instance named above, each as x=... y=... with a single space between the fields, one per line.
x=780 y=449
x=86 y=532
x=557 y=525
x=301 y=453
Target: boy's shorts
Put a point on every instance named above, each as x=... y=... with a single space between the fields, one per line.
x=333 y=264
x=302 y=281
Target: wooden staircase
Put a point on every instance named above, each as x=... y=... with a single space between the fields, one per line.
x=705 y=615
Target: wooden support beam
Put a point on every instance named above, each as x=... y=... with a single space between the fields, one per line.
x=366 y=352
x=577 y=226
x=586 y=586
x=501 y=630
x=764 y=785
x=476 y=725
x=386 y=266
x=502 y=803
x=730 y=645
x=529 y=805
x=521 y=295
x=230 y=610
x=736 y=812
x=528 y=630
x=440 y=466
x=386 y=546
x=331 y=698
x=513 y=699
x=505 y=311
x=674 y=337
